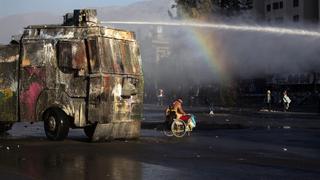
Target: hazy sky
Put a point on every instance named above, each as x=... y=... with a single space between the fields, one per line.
x=11 y=7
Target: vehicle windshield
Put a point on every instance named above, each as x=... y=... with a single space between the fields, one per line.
x=115 y=56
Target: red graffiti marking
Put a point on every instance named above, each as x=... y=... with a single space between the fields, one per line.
x=29 y=98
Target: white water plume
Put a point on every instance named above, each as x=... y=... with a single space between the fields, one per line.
x=246 y=28
x=247 y=51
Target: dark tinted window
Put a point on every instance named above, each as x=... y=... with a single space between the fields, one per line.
x=268 y=7
x=136 y=58
x=119 y=56
x=118 y=61
x=106 y=56
x=71 y=55
x=93 y=54
x=126 y=54
x=281 y=5
x=34 y=53
x=64 y=54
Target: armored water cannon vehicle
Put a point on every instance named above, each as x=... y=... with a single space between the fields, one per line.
x=75 y=75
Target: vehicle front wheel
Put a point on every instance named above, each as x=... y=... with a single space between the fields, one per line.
x=56 y=125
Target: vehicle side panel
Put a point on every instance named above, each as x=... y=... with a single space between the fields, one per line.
x=9 y=58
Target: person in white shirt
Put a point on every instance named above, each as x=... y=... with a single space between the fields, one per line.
x=286 y=101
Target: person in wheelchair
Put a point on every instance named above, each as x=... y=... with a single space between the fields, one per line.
x=175 y=111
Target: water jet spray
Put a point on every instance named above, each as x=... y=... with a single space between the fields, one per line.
x=244 y=28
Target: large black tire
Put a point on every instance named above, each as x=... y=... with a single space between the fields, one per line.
x=5 y=127
x=56 y=124
x=89 y=130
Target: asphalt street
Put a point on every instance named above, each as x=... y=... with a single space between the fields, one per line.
x=237 y=118
x=219 y=153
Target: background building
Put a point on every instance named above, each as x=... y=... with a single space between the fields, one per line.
x=287 y=11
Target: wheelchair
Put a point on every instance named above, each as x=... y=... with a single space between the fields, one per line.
x=173 y=126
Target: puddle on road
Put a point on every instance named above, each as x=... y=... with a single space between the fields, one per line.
x=63 y=161
x=26 y=130
x=57 y=163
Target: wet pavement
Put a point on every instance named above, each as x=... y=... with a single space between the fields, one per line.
x=223 y=154
x=241 y=153
x=237 y=118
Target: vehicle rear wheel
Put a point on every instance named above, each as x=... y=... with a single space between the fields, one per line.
x=56 y=125
x=89 y=130
x=178 y=128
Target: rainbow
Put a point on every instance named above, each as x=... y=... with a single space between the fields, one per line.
x=213 y=54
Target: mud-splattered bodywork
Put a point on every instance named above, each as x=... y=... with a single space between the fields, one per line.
x=93 y=73
x=9 y=56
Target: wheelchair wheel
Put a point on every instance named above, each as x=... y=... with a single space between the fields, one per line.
x=178 y=128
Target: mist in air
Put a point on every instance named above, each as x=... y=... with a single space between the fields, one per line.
x=208 y=52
